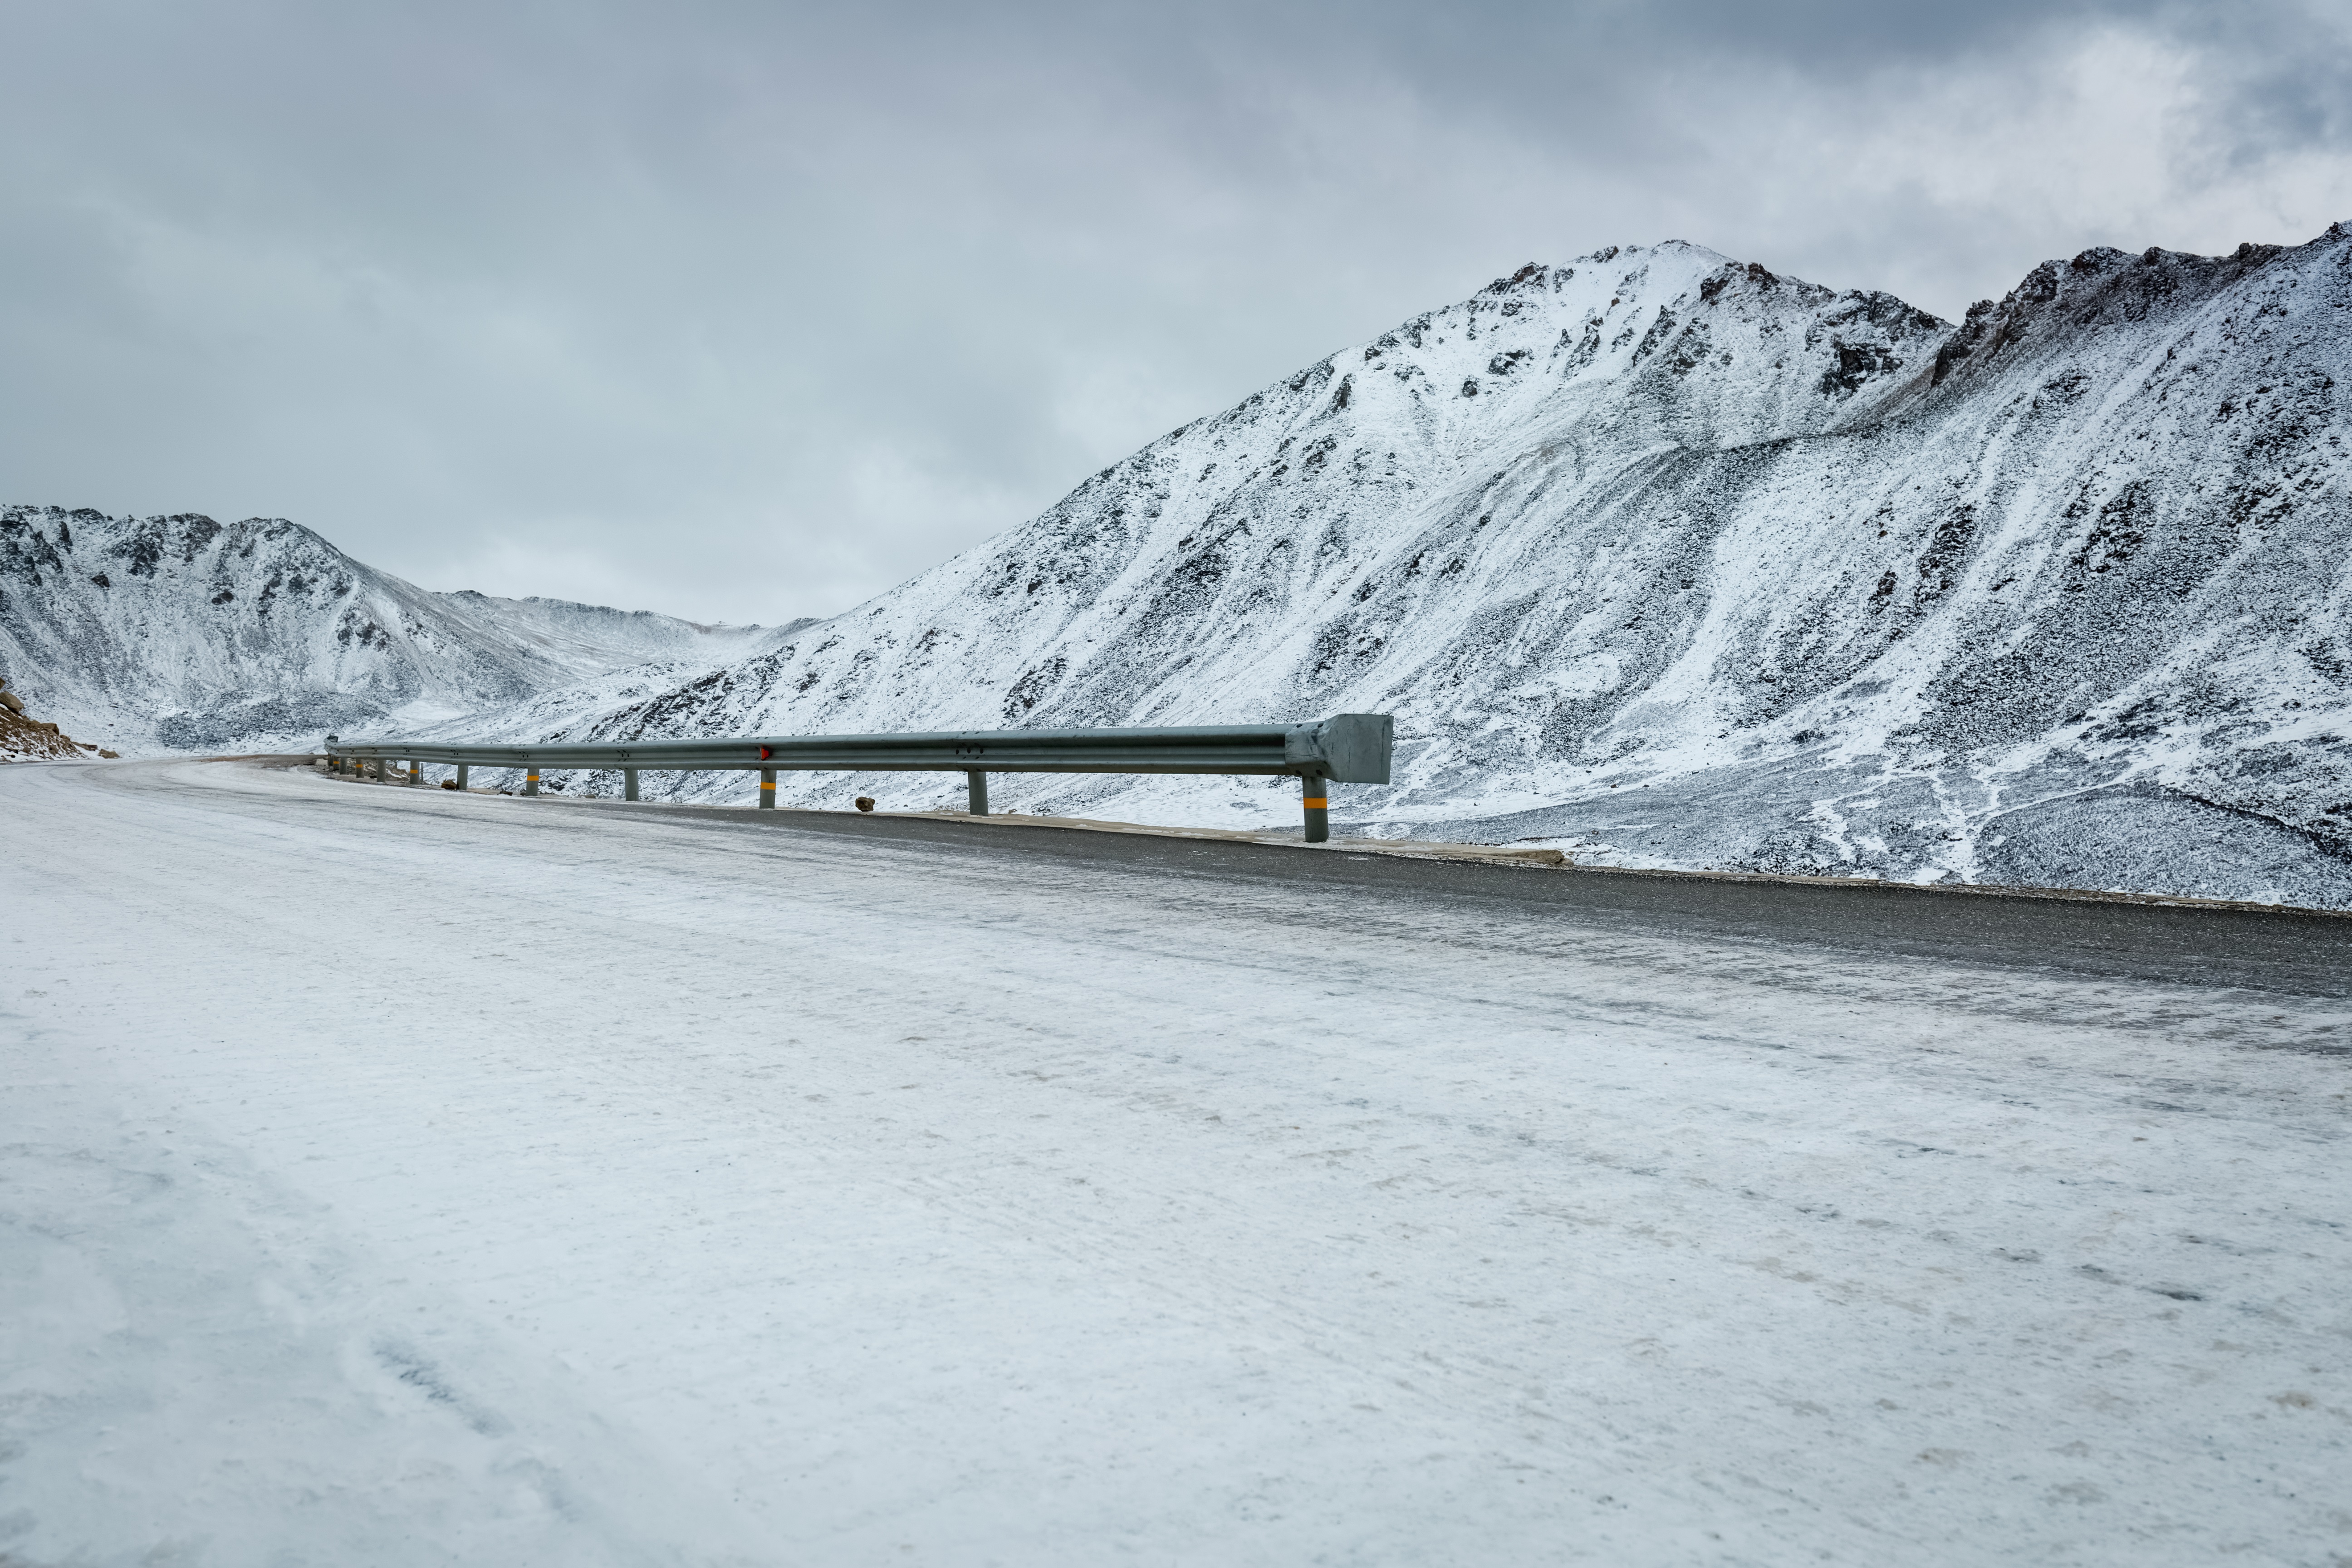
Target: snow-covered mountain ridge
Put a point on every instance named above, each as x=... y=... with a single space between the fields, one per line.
x=186 y=634
x=1683 y=562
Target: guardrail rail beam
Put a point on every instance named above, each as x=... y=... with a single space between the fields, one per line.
x=1347 y=748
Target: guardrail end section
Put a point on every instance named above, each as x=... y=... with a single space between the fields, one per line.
x=1353 y=748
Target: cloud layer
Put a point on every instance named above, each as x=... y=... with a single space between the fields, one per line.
x=749 y=310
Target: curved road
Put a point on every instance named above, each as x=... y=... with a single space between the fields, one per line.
x=396 y=1176
x=2302 y=951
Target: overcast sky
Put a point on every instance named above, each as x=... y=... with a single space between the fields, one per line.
x=749 y=310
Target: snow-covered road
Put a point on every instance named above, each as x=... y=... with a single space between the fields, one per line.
x=397 y=1177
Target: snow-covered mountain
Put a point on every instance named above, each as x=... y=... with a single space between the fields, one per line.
x=1672 y=559
x=187 y=634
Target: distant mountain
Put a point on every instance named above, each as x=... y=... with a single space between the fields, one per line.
x=186 y=634
x=1679 y=562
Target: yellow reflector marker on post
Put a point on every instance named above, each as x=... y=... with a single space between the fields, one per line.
x=1344 y=748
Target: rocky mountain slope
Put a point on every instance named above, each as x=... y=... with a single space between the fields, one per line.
x=26 y=736
x=181 y=633
x=1673 y=560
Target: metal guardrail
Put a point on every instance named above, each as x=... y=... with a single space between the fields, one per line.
x=1348 y=748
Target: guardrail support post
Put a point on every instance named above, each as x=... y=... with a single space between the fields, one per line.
x=1350 y=748
x=1316 y=794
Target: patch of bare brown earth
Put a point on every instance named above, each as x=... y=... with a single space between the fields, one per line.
x=25 y=739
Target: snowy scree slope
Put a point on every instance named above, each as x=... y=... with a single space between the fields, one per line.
x=1678 y=562
x=186 y=634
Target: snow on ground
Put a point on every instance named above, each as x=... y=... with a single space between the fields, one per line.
x=1685 y=564
x=401 y=1177
x=180 y=634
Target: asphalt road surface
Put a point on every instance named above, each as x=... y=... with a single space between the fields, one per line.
x=395 y=1176
x=2299 y=951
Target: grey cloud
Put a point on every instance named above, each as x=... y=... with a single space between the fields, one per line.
x=749 y=310
x=2276 y=75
